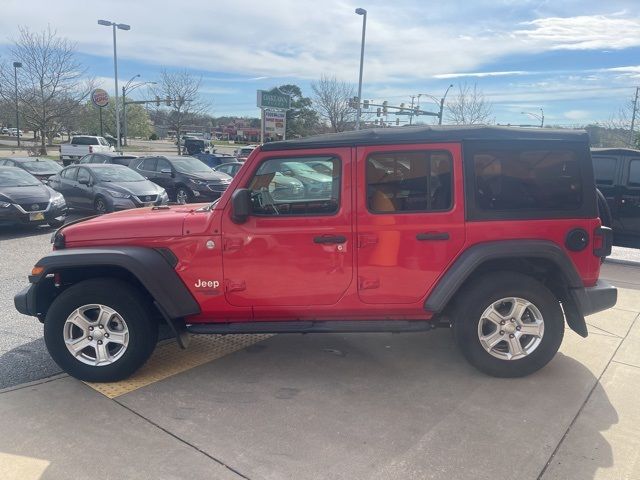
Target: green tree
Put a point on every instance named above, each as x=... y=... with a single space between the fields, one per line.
x=138 y=121
x=302 y=120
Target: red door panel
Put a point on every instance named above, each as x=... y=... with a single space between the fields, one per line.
x=401 y=253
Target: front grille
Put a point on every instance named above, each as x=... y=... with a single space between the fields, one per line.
x=146 y=198
x=217 y=187
x=34 y=207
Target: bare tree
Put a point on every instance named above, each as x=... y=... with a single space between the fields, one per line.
x=51 y=81
x=469 y=107
x=331 y=101
x=180 y=90
x=618 y=127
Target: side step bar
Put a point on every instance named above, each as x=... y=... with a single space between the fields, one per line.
x=331 y=326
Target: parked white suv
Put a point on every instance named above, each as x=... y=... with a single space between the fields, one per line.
x=82 y=145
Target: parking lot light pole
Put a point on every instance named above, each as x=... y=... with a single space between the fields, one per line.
x=363 y=12
x=121 y=26
x=16 y=66
x=536 y=116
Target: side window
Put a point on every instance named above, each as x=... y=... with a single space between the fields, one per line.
x=634 y=173
x=508 y=180
x=70 y=173
x=148 y=164
x=289 y=186
x=162 y=165
x=86 y=159
x=604 y=170
x=83 y=174
x=412 y=181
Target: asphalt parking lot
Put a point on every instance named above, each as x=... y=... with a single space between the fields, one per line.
x=357 y=406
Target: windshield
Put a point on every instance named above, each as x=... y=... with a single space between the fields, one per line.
x=37 y=166
x=17 y=178
x=117 y=173
x=189 y=165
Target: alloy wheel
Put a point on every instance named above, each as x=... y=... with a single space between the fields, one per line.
x=511 y=328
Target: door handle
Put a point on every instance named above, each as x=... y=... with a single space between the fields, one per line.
x=325 y=239
x=432 y=236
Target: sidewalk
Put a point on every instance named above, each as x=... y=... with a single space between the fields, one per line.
x=372 y=406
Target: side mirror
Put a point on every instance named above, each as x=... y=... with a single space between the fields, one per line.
x=84 y=181
x=165 y=170
x=240 y=205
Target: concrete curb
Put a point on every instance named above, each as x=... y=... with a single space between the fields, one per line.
x=619 y=261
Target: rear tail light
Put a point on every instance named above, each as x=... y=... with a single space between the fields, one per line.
x=602 y=241
x=90 y=149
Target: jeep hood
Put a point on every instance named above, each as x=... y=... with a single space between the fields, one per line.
x=136 y=223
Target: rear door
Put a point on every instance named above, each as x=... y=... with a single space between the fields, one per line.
x=84 y=191
x=67 y=186
x=629 y=212
x=410 y=219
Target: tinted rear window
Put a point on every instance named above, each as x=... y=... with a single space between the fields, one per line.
x=84 y=141
x=535 y=180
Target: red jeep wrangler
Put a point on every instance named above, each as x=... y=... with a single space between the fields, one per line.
x=494 y=232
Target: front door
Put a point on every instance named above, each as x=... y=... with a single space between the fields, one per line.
x=296 y=248
x=410 y=219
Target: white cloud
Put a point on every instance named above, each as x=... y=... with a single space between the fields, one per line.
x=577 y=114
x=484 y=74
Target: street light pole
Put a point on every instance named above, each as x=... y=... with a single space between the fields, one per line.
x=126 y=89
x=16 y=66
x=536 y=116
x=363 y=12
x=120 y=26
x=442 y=104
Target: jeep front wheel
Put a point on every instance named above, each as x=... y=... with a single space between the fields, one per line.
x=100 y=330
x=508 y=324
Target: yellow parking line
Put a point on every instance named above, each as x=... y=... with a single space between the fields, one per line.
x=168 y=360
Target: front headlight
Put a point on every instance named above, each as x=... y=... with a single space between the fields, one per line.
x=57 y=199
x=5 y=204
x=115 y=194
x=163 y=197
x=197 y=182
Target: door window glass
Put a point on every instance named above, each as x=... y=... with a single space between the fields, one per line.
x=148 y=164
x=412 y=181
x=634 y=173
x=604 y=170
x=69 y=173
x=290 y=186
x=162 y=165
x=83 y=175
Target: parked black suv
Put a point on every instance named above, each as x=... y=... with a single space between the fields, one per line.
x=617 y=175
x=186 y=179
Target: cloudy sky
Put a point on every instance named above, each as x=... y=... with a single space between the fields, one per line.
x=577 y=59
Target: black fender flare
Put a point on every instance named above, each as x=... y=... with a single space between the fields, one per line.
x=572 y=294
x=154 y=269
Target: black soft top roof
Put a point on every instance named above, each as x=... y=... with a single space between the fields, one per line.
x=428 y=134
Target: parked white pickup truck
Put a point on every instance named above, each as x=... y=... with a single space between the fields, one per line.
x=82 y=145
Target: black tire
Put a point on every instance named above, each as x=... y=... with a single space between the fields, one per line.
x=181 y=190
x=485 y=291
x=53 y=223
x=101 y=206
x=128 y=303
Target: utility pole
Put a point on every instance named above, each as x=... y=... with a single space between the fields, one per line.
x=16 y=66
x=633 y=117
x=411 y=116
x=363 y=13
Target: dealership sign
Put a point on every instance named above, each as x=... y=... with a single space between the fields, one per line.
x=273 y=99
x=275 y=123
x=100 y=97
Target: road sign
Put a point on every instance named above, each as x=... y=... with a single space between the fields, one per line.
x=273 y=99
x=100 y=97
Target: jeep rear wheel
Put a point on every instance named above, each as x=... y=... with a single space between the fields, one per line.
x=508 y=324
x=100 y=330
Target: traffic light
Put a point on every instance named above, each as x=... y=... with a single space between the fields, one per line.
x=157 y=101
x=397 y=120
x=378 y=111
x=384 y=107
x=167 y=101
x=402 y=106
x=365 y=104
